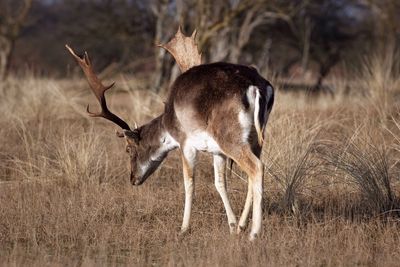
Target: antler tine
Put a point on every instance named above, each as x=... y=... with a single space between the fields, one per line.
x=193 y=36
x=98 y=89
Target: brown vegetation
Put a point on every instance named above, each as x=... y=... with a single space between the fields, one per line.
x=331 y=182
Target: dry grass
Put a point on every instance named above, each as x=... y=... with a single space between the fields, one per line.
x=331 y=184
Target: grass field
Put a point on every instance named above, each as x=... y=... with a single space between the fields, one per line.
x=332 y=183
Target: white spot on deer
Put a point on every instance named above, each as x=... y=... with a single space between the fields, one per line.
x=246 y=121
x=247 y=118
x=251 y=95
x=167 y=143
x=203 y=141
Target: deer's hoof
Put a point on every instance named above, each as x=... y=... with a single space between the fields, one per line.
x=240 y=229
x=253 y=236
x=232 y=227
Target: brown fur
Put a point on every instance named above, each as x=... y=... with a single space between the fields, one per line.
x=208 y=98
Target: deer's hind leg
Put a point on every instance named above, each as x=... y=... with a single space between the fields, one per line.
x=247 y=205
x=251 y=164
x=256 y=149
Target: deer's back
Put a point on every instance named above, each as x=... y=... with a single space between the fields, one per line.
x=209 y=95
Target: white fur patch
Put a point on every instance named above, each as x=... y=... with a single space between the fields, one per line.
x=144 y=167
x=251 y=95
x=167 y=143
x=246 y=121
x=203 y=141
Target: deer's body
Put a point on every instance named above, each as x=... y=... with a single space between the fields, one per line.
x=219 y=108
x=213 y=108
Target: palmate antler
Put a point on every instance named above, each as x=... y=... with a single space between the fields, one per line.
x=98 y=89
x=184 y=50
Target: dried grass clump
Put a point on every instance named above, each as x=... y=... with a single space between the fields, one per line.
x=379 y=78
x=289 y=158
x=364 y=164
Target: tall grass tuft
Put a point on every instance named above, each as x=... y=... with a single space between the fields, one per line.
x=366 y=164
x=379 y=78
x=289 y=158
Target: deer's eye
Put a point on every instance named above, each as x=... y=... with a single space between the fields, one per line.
x=128 y=149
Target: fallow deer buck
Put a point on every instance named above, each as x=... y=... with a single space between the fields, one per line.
x=219 y=108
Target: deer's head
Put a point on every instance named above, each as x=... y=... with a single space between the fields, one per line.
x=143 y=161
x=145 y=153
x=133 y=150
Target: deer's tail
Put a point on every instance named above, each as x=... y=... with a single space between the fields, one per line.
x=264 y=101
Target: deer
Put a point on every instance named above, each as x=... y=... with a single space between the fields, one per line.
x=219 y=108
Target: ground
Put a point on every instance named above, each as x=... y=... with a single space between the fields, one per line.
x=331 y=182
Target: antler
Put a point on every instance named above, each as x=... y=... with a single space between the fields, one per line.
x=98 y=89
x=184 y=50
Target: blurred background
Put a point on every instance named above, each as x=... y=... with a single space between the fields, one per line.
x=293 y=39
x=332 y=164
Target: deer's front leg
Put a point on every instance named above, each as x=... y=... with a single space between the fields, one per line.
x=188 y=161
x=220 y=185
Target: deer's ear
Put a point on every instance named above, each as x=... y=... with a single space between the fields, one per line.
x=132 y=135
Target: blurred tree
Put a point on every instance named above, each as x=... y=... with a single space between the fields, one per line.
x=12 y=17
x=210 y=18
x=161 y=11
x=308 y=34
x=226 y=38
x=387 y=26
x=321 y=32
x=117 y=31
x=223 y=28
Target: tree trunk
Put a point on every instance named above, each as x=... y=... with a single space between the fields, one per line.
x=325 y=68
x=160 y=12
x=5 y=54
x=264 y=58
x=10 y=28
x=219 y=51
x=306 y=45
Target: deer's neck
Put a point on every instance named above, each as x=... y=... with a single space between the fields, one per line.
x=156 y=139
